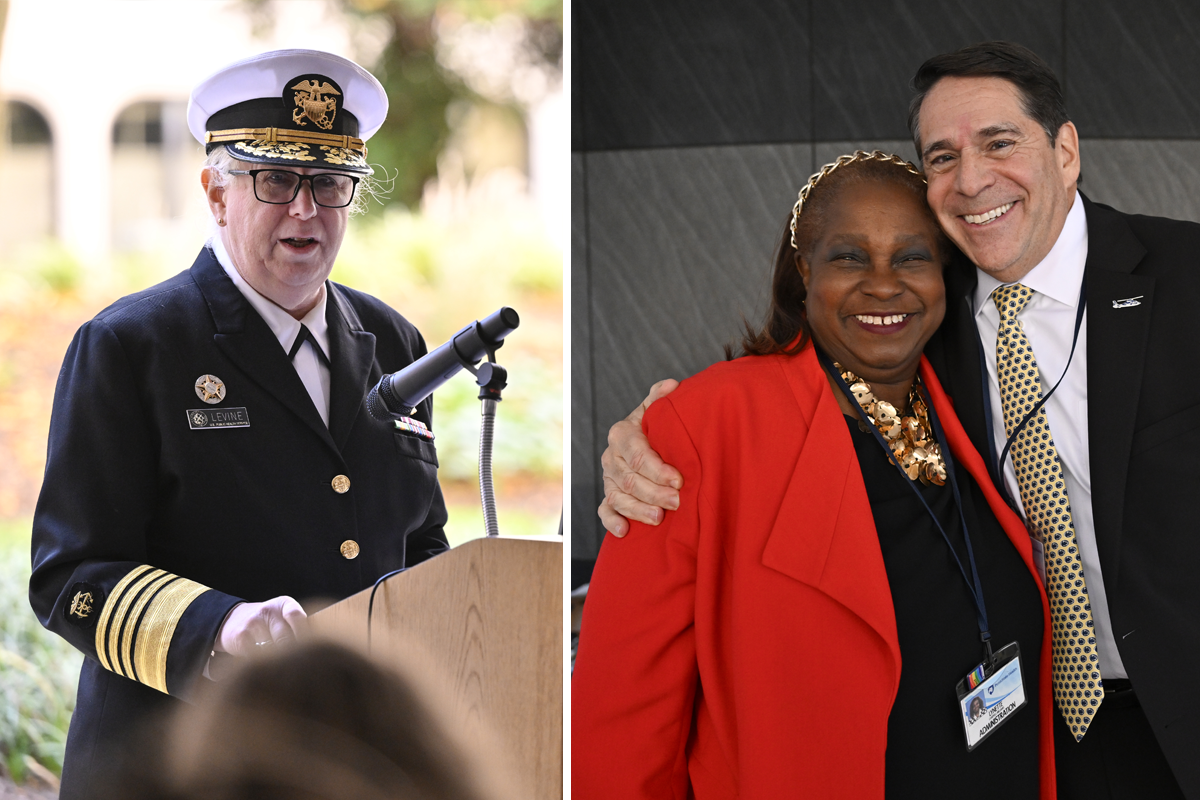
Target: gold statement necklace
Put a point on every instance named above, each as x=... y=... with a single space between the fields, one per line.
x=909 y=437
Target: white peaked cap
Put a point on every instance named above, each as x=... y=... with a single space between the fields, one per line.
x=264 y=76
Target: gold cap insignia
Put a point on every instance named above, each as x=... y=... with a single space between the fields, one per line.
x=316 y=100
x=210 y=389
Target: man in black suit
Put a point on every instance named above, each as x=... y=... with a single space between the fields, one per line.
x=210 y=457
x=1002 y=161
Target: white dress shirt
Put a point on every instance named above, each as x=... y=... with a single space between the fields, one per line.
x=312 y=371
x=1049 y=322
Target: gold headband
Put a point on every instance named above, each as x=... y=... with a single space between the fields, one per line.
x=859 y=155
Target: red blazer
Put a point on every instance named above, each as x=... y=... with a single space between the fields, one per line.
x=747 y=648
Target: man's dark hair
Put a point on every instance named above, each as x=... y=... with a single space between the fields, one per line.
x=1040 y=91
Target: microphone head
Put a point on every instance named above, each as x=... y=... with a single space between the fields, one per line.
x=499 y=324
x=376 y=405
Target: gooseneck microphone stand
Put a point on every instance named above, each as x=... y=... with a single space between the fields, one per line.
x=492 y=378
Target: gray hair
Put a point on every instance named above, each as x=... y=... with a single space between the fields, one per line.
x=220 y=162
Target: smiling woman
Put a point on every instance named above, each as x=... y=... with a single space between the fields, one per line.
x=819 y=593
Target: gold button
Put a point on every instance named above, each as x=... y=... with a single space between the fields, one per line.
x=341 y=484
x=350 y=549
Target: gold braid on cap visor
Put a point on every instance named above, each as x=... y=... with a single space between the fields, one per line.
x=859 y=155
x=273 y=135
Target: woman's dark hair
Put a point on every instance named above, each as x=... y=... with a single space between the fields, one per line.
x=786 y=318
x=1041 y=94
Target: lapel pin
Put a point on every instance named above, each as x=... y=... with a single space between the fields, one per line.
x=210 y=389
x=1128 y=302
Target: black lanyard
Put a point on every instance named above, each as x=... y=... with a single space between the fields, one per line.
x=987 y=391
x=974 y=586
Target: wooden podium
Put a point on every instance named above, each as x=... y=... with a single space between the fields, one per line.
x=484 y=621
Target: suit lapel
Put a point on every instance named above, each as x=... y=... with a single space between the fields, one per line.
x=824 y=534
x=1116 y=345
x=352 y=353
x=960 y=369
x=247 y=341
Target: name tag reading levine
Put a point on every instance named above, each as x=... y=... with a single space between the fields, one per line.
x=204 y=418
x=991 y=694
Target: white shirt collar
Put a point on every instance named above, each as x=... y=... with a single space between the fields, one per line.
x=1060 y=273
x=282 y=324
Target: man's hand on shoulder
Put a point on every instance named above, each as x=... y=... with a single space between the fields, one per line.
x=637 y=484
x=250 y=626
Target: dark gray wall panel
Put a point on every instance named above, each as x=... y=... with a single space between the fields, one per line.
x=681 y=243
x=577 y=137
x=1133 y=73
x=698 y=73
x=865 y=53
x=584 y=456
x=1161 y=178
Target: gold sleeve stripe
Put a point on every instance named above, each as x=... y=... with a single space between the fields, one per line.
x=128 y=629
x=157 y=628
x=134 y=632
x=107 y=616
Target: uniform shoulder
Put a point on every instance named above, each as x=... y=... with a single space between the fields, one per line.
x=163 y=300
x=377 y=316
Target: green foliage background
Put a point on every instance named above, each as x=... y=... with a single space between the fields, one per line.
x=38 y=670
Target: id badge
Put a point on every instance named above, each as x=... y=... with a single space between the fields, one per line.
x=991 y=694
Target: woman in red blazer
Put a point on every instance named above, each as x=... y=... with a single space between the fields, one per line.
x=751 y=647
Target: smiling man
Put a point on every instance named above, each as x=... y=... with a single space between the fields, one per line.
x=1066 y=350
x=210 y=457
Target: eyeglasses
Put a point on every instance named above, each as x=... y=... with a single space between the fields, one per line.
x=280 y=186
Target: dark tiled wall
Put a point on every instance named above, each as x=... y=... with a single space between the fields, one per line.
x=695 y=123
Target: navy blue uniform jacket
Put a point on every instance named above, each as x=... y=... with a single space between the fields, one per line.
x=148 y=531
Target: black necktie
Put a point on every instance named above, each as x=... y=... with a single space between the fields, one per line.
x=306 y=335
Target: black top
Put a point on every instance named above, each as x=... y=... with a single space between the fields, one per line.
x=939 y=636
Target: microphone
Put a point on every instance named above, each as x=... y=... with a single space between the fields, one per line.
x=397 y=394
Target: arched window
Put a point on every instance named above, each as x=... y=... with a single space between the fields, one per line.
x=155 y=172
x=139 y=124
x=26 y=125
x=26 y=177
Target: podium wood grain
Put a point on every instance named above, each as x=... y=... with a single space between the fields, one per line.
x=484 y=620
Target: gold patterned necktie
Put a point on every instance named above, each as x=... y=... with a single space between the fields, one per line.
x=1078 y=690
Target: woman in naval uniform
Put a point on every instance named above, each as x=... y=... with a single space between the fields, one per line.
x=210 y=457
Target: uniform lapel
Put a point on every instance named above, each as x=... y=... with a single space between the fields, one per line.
x=247 y=341
x=353 y=370
x=824 y=534
x=1117 y=337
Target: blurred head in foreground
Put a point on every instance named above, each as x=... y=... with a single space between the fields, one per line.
x=313 y=722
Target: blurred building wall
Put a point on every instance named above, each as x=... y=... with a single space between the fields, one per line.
x=85 y=64
x=695 y=123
